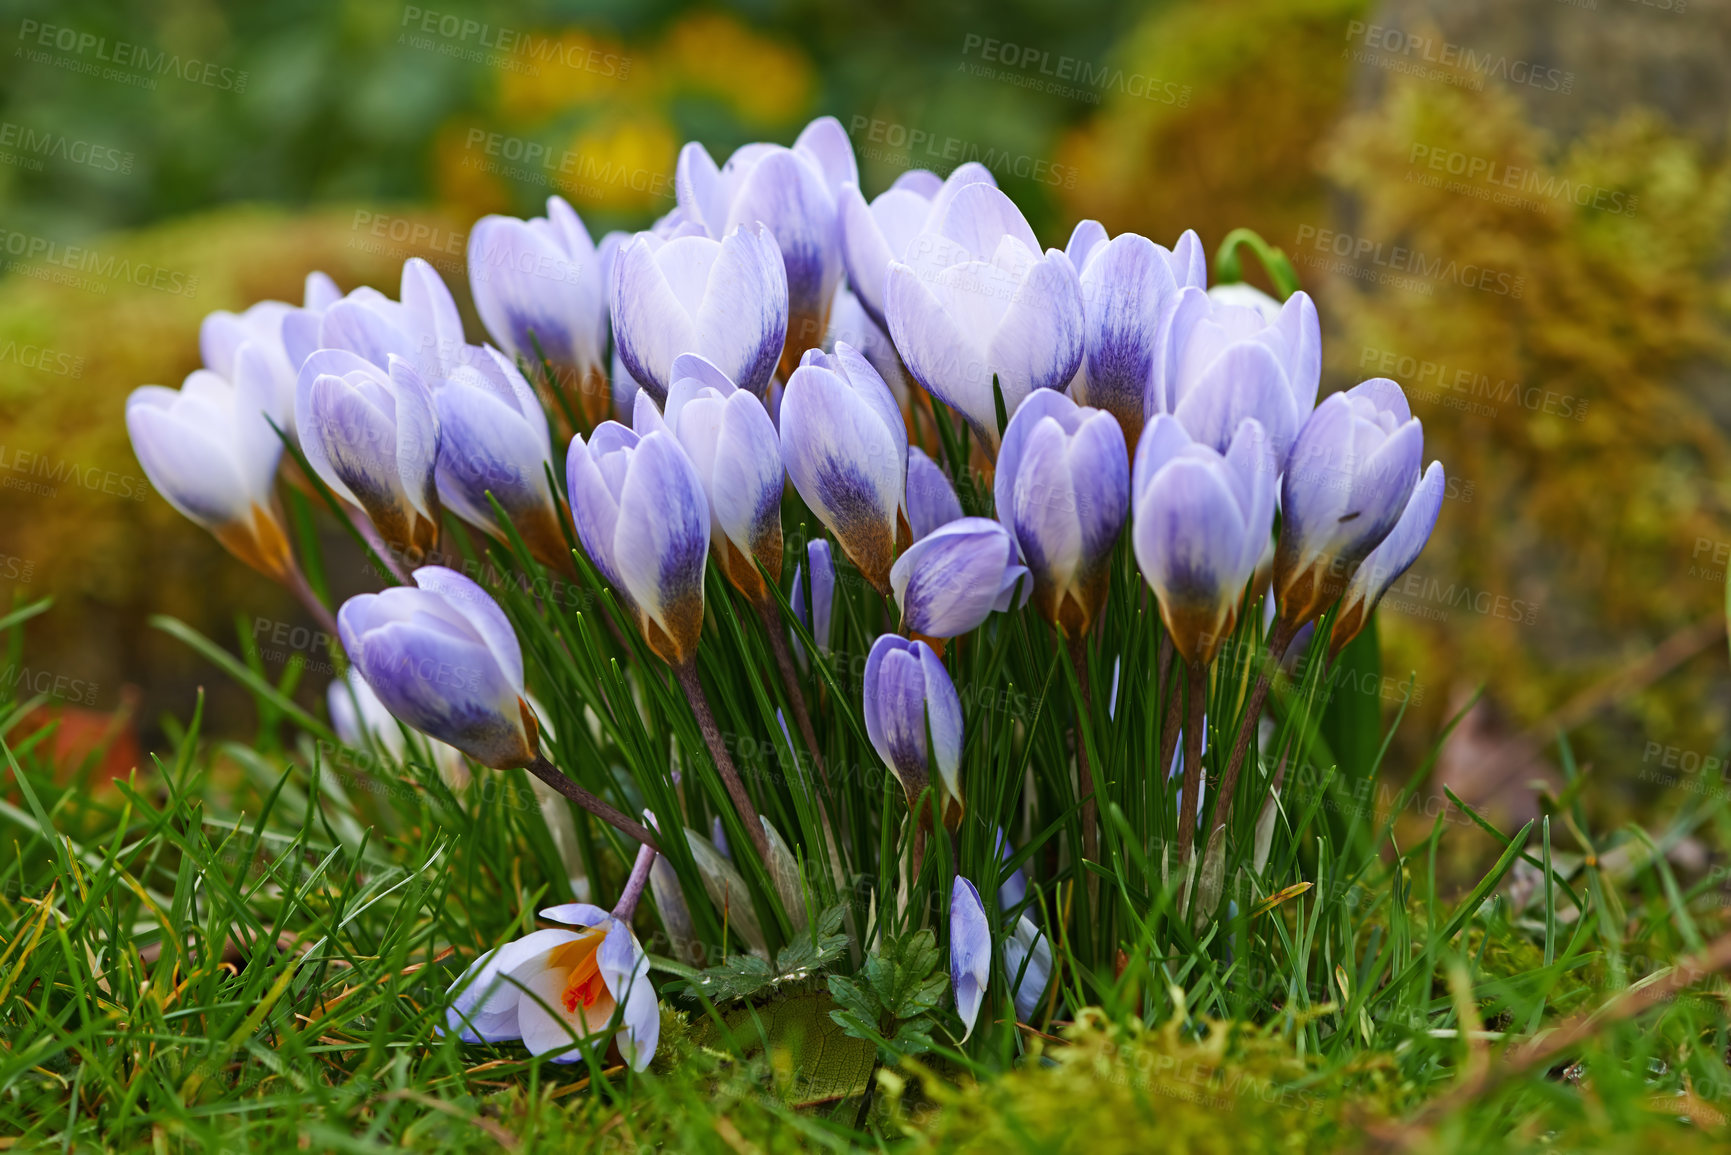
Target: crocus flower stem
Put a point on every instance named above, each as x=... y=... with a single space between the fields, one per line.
x=556 y=778
x=1197 y=695
x=790 y=682
x=635 y=884
x=1279 y=637
x=1084 y=774
x=1174 y=706
x=686 y=672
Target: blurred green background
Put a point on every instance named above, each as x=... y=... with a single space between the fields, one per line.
x=1517 y=209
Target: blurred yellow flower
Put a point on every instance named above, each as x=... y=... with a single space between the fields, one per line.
x=550 y=71
x=623 y=164
x=764 y=81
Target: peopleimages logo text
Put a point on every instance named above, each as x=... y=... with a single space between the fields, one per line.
x=140 y=58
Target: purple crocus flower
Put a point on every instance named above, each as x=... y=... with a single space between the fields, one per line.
x=908 y=693
x=951 y=579
x=1391 y=558
x=932 y=500
x=443 y=659
x=874 y=235
x=970 y=951
x=1063 y=490
x=821 y=617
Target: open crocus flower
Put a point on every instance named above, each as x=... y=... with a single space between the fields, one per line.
x=210 y=451
x=874 y=235
x=932 y=500
x=1349 y=477
x=970 y=951
x=949 y=581
x=973 y=299
x=846 y=451
x=539 y=282
x=1129 y=288
x=493 y=441
x=727 y=434
x=1063 y=490
x=1225 y=362
x=555 y=988
x=641 y=514
x=907 y=692
x=442 y=658
x=1391 y=558
x=1201 y=522
x=793 y=193
x=371 y=435
x=725 y=300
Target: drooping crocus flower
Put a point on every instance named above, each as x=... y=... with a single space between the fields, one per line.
x=792 y=192
x=1129 y=288
x=727 y=434
x=874 y=235
x=493 y=441
x=1391 y=558
x=1350 y=475
x=974 y=300
x=360 y=720
x=950 y=580
x=1063 y=490
x=1224 y=363
x=212 y=454
x=818 y=621
x=539 y=283
x=970 y=952
x=846 y=451
x=557 y=987
x=908 y=690
x=640 y=512
x=725 y=300
x=1200 y=522
x=932 y=500
x=372 y=436
x=443 y=658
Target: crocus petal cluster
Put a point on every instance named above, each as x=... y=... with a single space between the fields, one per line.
x=724 y=299
x=970 y=951
x=950 y=580
x=732 y=443
x=907 y=692
x=539 y=287
x=932 y=500
x=1347 y=481
x=1129 y=288
x=1225 y=362
x=793 y=192
x=846 y=452
x=443 y=659
x=1391 y=558
x=642 y=517
x=874 y=235
x=554 y=988
x=1063 y=491
x=973 y=301
x=1202 y=520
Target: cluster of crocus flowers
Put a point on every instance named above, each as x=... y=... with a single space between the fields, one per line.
x=777 y=333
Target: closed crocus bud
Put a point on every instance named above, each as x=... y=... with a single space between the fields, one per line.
x=793 y=192
x=1028 y=959
x=848 y=323
x=1062 y=489
x=1224 y=363
x=970 y=952
x=1391 y=558
x=951 y=579
x=300 y=327
x=907 y=692
x=874 y=235
x=444 y=660
x=251 y=344
x=1347 y=481
x=641 y=514
x=974 y=299
x=553 y=988
x=372 y=436
x=1246 y=297
x=727 y=434
x=493 y=442
x=846 y=451
x=820 y=618
x=210 y=451
x=932 y=500
x=725 y=300
x=539 y=283
x=360 y=720
x=1129 y=288
x=1200 y=522
x=423 y=327
x=1186 y=260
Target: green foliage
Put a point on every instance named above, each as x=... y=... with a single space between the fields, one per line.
x=892 y=1000
x=748 y=975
